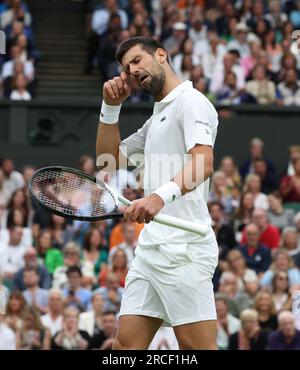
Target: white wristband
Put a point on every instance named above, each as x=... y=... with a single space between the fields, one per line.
x=168 y=192
x=109 y=113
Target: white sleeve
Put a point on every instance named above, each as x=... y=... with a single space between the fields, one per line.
x=136 y=142
x=198 y=119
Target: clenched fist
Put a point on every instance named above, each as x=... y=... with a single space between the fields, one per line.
x=116 y=90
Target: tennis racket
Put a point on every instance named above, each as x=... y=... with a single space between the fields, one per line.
x=73 y=194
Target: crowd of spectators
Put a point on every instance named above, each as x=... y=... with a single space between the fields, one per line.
x=233 y=51
x=17 y=65
x=64 y=280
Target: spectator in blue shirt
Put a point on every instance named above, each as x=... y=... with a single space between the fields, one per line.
x=257 y=256
x=76 y=295
x=286 y=337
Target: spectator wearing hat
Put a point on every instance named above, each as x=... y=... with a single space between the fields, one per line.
x=240 y=42
x=173 y=43
x=286 y=337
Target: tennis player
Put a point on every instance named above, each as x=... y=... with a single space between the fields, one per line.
x=170 y=281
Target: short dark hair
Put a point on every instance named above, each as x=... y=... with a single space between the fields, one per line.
x=148 y=44
x=73 y=269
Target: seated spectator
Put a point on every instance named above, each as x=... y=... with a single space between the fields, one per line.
x=91 y=321
x=7 y=336
x=94 y=254
x=237 y=300
x=4 y=192
x=294 y=154
x=111 y=293
x=128 y=246
x=231 y=172
x=173 y=43
x=282 y=261
x=34 y=296
x=20 y=91
x=264 y=305
x=61 y=231
x=13 y=179
x=256 y=151
x=118 y=267
x=273 y=49
x=227 y=324
x=104 y=340
x=288 y=91
x=12 y=254
x=33 y=335
x=277 y=214
x=269 y=234
x=250 y=337
x=243 y=214
x=16 y=217
x=52 y=320
x=222 y=69
x=15 y=311
x=240 y=41
x=30 y=260
x=228 y=94
x=16 y=11
x=50 y=257
x=286 y=337
x=8 y=67
x=71 y=337
x=74 y=294
x=295 y=15
x=117 y=233
x=224 y=232
x=258 y=257
x=219 y=193
x=71 y=253
x=281 y=291
x=253 y=185
x=268 y=180
x=289 y=244
x=246 y=278
x=289 y=185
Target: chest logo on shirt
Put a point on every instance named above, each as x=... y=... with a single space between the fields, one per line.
x=163 y=119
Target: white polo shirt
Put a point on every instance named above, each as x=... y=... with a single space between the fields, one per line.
x=184 y=118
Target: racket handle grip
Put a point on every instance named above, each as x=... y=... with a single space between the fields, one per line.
x=185 y=225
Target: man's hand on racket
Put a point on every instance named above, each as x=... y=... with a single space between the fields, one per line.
x=116 y=90
x=143 y=210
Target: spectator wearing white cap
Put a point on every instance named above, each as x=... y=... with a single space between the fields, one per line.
x=240 y=41
x=173 y=42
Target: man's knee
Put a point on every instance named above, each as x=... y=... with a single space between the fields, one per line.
x=122 y=343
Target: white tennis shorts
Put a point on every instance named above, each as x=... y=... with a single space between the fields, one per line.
x=172 y=282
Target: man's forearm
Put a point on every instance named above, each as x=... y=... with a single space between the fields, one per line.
x=108 y=141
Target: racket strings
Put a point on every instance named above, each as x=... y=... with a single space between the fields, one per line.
x=72 y=194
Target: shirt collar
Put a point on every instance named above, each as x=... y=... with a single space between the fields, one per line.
x=158 y=106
